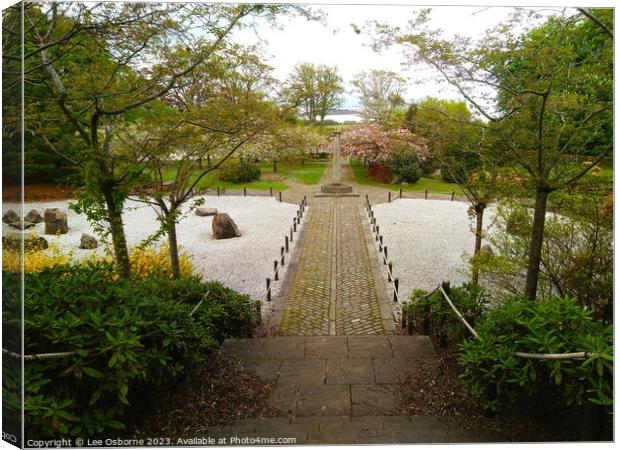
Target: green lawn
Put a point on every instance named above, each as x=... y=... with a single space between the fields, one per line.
x=210 y=181
x=308 y=173
x=423 y=184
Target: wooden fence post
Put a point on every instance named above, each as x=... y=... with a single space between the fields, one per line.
x=395 y=289
x=270 y=191
x=400 y=193
x=452 y=196
x=275 y=270
x=389 y=196
x=286 y=243
x=385 y=255
x=377 y=231
x=245 y=191
x=390 y=272
x=291 y=231
x=425 y=194
x=280 y=196
x=218 y=191
x=268 y=289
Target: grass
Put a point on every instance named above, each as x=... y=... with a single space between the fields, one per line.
x=423 y=184
x=210 y=181
x=308 y=173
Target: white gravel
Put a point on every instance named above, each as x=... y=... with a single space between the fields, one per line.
x=427 y=241
x=240 y=263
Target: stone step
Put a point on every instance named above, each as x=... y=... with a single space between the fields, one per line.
x=347 y=430
x=322 y=376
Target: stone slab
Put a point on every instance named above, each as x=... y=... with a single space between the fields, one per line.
x=283 y=348
x=302 y=372
x=369 y=347
x=374 y=399
x=350 y=371
x=324 y=400
x=324 y=347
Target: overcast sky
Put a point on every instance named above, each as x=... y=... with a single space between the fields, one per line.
x=336 y=43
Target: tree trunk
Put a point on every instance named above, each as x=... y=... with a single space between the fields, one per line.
x=208 y=161
x=479 y=220
x=200 y=163
x=174 y=249
x=117 y=230
x=536 y=242
x=275 y=165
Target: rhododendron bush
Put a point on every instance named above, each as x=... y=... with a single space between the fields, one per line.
x=373 y=144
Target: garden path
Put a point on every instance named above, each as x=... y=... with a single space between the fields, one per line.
x=334 y=285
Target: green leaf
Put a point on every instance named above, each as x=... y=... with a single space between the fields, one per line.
x=93 y=373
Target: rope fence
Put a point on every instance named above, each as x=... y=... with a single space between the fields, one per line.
x=417 y=194
x=540 y=356
x=221 y=191
x=61 y=355
x=288 y=239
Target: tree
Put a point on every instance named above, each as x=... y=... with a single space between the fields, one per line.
x=372 y=143
x=380 y=94
x=283 y=140
x=117 y=77
x=548 y=101
x=316 y=88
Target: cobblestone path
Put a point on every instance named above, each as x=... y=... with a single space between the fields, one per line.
x=334 y=289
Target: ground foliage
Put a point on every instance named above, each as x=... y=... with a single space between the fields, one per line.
x=126 y=335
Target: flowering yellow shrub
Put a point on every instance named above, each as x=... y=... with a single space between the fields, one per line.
x=144 y=262
x=35 y=260
x=147 y=261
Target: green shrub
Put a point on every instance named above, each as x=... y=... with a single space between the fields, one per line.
x=404 y=165
x=239 y=172
x=432 y=314
x=127 y=334
x=492 y=373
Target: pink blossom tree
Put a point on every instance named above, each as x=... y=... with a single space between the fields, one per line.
x=373 y=144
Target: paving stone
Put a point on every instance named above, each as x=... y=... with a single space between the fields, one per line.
x=324 y=400
x=323 y=347
x=283 y=348
x=284 y=399
x=391 y=370
x=374 y=399
x=302 y=372
x=350 y=371
x=369 y=347
x=333 y=289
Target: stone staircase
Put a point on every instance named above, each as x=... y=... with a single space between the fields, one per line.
x=337 y=390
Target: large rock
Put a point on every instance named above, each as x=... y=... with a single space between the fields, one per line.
x=22 y=224
x=203 y=212
x=10 y=216
x=88 y=242
x=55 y=221
x=224 y=227
x=34 y=217
x=32 y=242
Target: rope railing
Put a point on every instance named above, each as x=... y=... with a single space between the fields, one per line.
x=288 y=239
x=220 y=191
x=541 y=356
x=452 y=194
x=60 y=355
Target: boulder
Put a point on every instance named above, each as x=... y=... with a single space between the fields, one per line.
x=55 y=221
x=486 y=249
x=203 y=212
x=88 y=242
x=10 y=216
x=22 y=224
x=32 y=242
x=34 y=217
x=224 y=227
